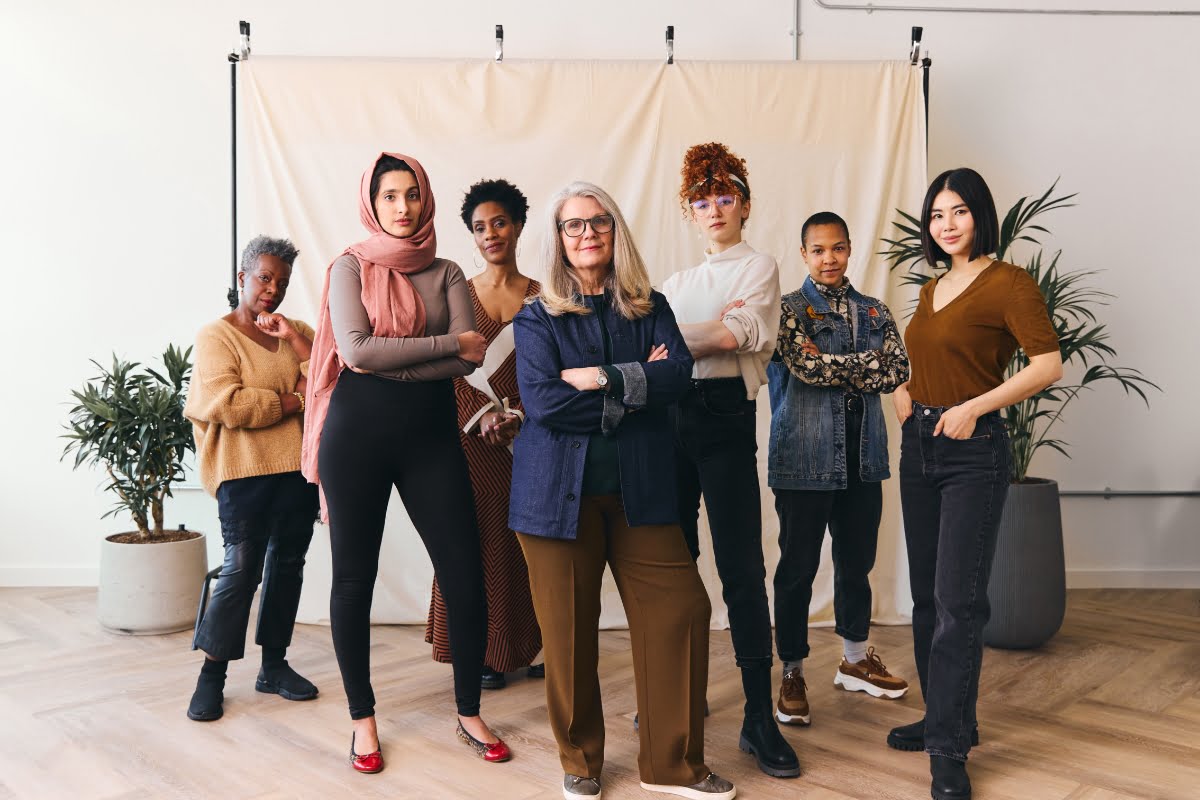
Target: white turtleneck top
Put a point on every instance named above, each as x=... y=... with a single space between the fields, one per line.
x=698 y=295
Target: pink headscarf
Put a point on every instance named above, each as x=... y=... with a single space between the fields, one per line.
x=393 y=305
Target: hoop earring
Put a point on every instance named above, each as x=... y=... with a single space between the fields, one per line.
x=475 y=258
x=518 y=248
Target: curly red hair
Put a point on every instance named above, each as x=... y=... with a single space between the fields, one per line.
x=712 y=168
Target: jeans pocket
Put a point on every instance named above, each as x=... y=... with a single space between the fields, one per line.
x=725 y=403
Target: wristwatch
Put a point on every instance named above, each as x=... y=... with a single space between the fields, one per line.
x=601 y=378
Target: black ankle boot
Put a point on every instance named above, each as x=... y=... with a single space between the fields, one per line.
x=911 y=737
x=208 y=700
x=950 y=781
x=760 y=734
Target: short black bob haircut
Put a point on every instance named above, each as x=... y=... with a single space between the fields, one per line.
x=822 y=218
x=509 y=197
x=383 y=166
x=970 y=186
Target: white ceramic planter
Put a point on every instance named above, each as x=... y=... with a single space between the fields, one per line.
x=151 y=588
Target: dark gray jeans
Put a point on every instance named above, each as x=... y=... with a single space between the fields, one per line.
x=952 y=492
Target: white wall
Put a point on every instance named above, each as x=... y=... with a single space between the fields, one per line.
x=114 y=220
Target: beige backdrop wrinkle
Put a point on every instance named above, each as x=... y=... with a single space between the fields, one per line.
x=846 y=137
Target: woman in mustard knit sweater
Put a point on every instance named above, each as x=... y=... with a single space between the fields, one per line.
x=245 y=404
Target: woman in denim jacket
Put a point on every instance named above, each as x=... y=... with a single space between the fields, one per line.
x=838 y=350
x=599 y=360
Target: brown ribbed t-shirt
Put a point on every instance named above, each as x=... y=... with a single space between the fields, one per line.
x=961 y=352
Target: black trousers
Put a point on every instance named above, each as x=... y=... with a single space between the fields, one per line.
x=852 y=516
x=267 y=524
x=378 y=434
x=715 y=453
x=953 y=493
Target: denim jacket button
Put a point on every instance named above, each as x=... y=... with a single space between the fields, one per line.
x=570 y=498
x=593 y=349
x=927 y=412
x=575 y=445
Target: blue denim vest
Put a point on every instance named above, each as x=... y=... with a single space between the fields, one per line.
x=808 y=423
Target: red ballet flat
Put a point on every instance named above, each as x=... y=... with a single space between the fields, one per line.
x=495 y=752
x=368 y=764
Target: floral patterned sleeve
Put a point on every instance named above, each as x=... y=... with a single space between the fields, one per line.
x=873 y=371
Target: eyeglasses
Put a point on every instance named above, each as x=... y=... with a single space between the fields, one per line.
x=601 y=223
x=704 y=206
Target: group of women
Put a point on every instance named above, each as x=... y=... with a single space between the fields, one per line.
x=539 y=433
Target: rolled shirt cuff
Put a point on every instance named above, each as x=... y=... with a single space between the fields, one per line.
x=634 y=379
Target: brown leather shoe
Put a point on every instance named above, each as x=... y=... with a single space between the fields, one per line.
x=870 y=676
x=792 y=708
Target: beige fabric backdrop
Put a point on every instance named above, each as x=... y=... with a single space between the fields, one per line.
x=846 y=137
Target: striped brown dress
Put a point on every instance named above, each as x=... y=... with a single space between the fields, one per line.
x=513 y=636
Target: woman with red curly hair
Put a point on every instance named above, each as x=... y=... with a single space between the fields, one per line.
x=728 y=312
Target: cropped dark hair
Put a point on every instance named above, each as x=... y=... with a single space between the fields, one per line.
x=970 y=186
x=261 y=245
x=822 y=218
x=383 y=166
x=510 y=198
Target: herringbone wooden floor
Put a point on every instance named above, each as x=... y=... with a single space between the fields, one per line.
x=1110 y=709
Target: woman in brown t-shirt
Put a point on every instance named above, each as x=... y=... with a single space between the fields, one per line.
x=954 y=457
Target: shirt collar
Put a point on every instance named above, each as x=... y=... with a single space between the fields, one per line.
x=833 y=293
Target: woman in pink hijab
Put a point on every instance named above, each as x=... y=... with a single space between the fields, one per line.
x=395 y=328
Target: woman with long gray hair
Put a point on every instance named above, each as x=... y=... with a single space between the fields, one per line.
x=599 y=360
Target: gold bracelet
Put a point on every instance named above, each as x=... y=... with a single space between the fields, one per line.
x=299 y=397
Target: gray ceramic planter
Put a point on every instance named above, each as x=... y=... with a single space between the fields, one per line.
x=1028 y=588
x=151 y=588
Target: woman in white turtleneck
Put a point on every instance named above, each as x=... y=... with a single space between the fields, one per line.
x=727 y=308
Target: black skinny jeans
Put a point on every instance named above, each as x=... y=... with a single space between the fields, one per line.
x=382 y=433
x=715 y=454
x=852 y=516
x=952 y=492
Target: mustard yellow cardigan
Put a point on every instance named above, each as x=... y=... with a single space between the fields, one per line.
x=233 y=404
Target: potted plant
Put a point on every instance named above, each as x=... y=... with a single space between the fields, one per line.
x=1028 y=584
x=130 y=421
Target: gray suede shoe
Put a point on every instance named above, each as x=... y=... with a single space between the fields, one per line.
x=576 y=787
x=714 y=787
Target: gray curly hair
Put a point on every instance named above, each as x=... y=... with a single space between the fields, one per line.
x=261 y=245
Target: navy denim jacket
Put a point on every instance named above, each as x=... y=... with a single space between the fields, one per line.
x=808 y=423
x=548 y=455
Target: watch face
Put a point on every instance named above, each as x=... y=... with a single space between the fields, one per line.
x=601 y=377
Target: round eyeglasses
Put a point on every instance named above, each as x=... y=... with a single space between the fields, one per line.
x=704 y=206
x=601 y=223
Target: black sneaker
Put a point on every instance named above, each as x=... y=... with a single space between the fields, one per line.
x=284 y=681
x=208 y=698
x=536 y=671
x=490 y=679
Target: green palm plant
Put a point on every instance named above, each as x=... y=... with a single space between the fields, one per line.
x=1072 y=304
x=131 y=422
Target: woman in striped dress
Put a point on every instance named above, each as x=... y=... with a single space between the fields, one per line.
x=489 y=418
